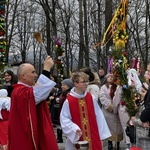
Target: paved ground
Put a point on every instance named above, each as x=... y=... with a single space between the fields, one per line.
x=122 y=144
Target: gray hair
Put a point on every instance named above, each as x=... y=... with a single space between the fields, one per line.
x=22 y=69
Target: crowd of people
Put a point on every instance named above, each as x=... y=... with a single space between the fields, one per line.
x=86 y=106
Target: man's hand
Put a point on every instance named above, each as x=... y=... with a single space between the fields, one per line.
x=48 y=63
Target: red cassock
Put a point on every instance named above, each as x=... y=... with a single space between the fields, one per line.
x=30 y=126
x=4 y=127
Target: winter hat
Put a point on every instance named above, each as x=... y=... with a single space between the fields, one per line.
x=68 y=82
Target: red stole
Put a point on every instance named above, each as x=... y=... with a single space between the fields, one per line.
x=82 y=112
x=30 y=126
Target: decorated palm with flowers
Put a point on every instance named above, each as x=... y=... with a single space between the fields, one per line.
x=128 y=79
x=129 y=96
x=2 y=35
x=123 y=75
x=120 y=66
x=59 y=60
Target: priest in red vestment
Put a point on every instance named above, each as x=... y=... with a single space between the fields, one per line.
x=30 y=126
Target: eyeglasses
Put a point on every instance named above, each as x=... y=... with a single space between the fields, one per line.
x=85 y=82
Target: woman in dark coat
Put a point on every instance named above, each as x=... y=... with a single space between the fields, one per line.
x=66 y=86
x=9 y=79
x=145 y=115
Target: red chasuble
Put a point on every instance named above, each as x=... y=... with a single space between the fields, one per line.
x=82 y=112
x=30 y=126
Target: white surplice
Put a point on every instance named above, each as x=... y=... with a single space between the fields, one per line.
x=42 y=88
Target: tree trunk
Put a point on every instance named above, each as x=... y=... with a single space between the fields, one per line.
x=108 y=18
x=81 y=38
x=86 y=50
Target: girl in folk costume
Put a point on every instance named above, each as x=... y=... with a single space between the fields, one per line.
x=81 y=117
x=4 y=115
x=107 y=99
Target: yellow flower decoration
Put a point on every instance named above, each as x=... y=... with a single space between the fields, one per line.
x=56 y=46
x=120 y=44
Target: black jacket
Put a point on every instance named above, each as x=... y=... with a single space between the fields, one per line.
x=145 y=115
